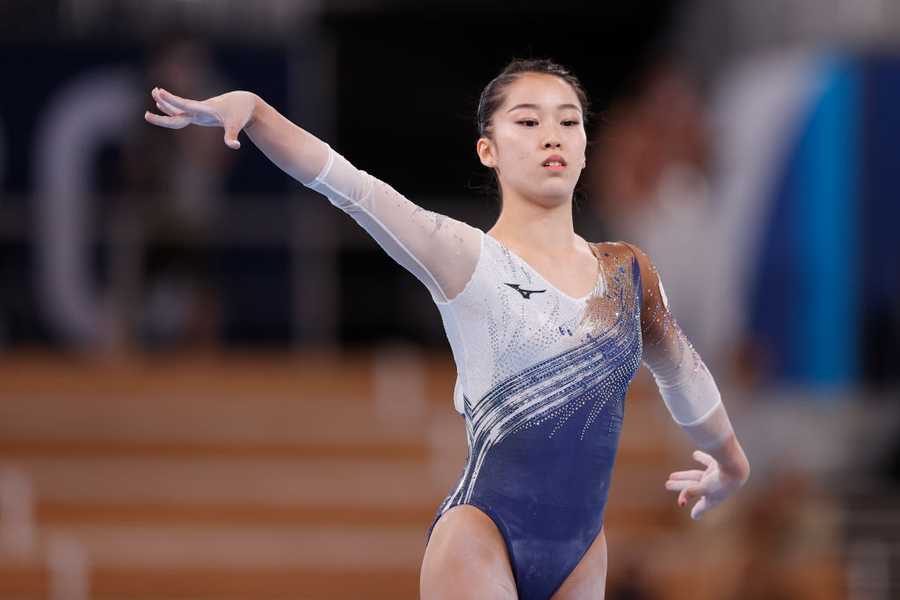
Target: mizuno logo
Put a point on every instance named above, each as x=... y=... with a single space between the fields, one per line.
x=525 y=293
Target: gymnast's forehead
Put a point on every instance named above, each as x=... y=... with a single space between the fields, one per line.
x=539 y=91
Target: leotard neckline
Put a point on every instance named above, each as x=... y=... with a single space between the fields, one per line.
x=598 y=283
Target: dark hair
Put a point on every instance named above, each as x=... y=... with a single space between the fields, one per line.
x=493 y=94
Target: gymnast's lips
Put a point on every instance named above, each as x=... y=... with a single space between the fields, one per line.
x=554 y=158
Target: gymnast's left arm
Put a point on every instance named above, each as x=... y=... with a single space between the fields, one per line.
x=692 y=397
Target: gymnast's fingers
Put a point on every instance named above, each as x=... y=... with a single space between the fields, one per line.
x=701 y=507
x=158 y=99
x=167 y=108
x=182 y=104
x=703 y=457
x=689 y=493
x=677 y=486
x=693 y=475
x=177 y=122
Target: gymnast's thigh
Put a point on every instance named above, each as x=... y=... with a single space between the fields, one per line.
x=588 y=580
x=466 y=558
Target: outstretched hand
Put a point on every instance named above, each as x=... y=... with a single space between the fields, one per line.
x=711 y=485
x=231 y=111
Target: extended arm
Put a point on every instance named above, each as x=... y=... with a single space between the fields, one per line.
x=692 y=397
x=440 y=251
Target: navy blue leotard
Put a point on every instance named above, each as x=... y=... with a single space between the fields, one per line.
x=542 y=441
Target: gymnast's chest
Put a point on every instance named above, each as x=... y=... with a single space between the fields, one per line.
x=532 y=315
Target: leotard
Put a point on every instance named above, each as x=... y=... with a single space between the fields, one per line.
x=543 y=395
x=541 y=379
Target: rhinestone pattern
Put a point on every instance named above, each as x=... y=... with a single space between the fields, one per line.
x=554 y=364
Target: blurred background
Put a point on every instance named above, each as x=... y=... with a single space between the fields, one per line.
x=213 y=384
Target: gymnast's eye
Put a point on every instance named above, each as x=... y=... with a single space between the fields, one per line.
x=570 y=122
x=528 y=122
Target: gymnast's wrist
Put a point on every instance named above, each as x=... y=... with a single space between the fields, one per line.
x=733 y=463
x=256 y=110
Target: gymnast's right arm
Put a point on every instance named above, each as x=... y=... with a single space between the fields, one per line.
x=439 y=251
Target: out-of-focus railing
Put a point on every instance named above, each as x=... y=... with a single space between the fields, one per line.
x=305 y=228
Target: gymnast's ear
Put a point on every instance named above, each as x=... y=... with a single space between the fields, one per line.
x=487 y=152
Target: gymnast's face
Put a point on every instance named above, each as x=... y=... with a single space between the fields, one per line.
x=540 y=118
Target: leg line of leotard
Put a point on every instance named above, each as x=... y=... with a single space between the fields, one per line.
x=498 y=523
x=580 y=557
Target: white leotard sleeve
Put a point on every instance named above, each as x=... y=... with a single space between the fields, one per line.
x=685 y=384
x=441 y=252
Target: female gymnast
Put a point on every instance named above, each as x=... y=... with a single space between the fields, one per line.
x=546 y=329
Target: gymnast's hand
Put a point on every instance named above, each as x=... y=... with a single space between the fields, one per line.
x=711 y=486
x=232 y=110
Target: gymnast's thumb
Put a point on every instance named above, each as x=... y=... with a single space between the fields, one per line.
x=231 y=138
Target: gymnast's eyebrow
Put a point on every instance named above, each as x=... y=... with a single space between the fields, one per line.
x=535 y=106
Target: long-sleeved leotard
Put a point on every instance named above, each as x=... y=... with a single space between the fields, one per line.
x=441 y=252
x=541 y=377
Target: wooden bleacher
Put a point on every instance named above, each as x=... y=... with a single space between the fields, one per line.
x=240 y=478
